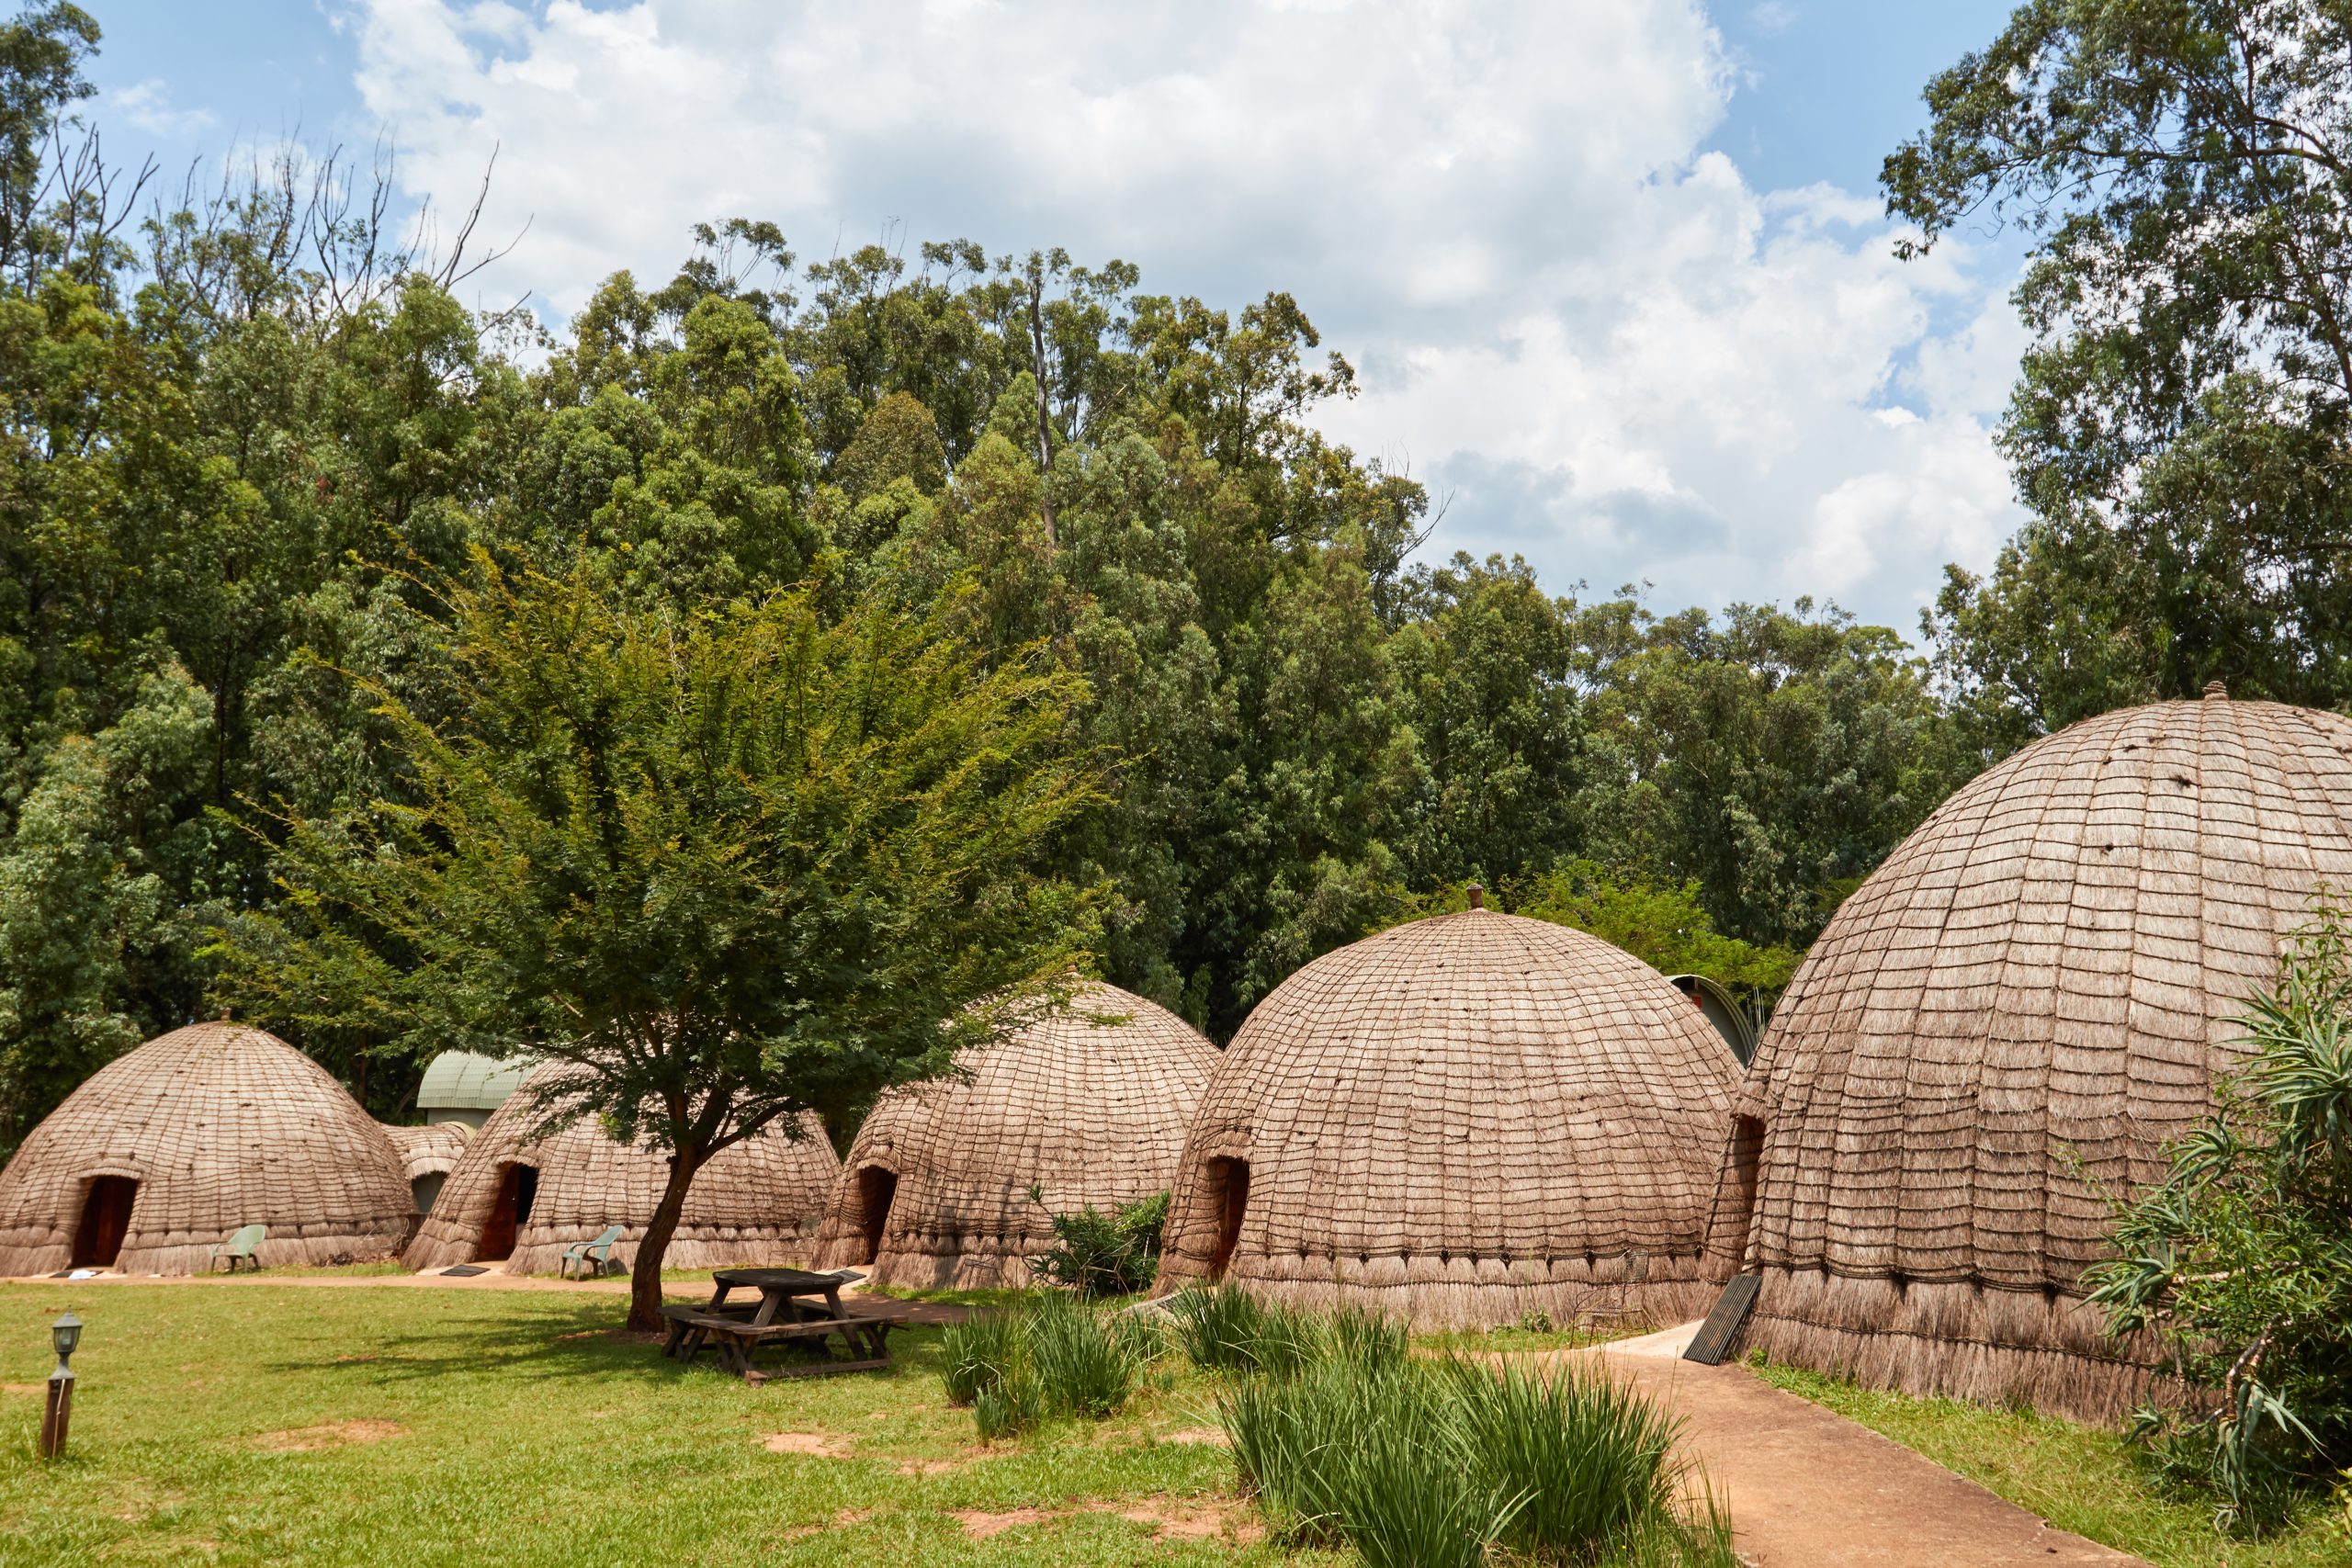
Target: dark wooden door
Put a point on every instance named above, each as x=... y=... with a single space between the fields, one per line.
x=106 y=1219
x=875 y=1189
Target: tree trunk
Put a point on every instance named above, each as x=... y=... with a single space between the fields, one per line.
x=645 y=1274
x=1044 y=425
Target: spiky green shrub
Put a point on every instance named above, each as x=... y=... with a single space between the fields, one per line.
x=975 y=1353
x=1049 y=1357
x=1085 y=1365
x=1217 y=1327
x=1226 y=1329
x=1099 y=1254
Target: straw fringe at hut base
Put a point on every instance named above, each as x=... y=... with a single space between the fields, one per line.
x=1477 y=1293
x=1953 y=1339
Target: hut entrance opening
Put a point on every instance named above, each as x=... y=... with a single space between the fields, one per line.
x=875 y=1189
x=425 y=1188
x=518 y=1184
x=106 y=1219
x=1229 y=1194
x=1739 y=1187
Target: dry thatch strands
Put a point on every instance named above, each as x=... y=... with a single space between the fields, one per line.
x=525 y=1200
x=1090 y=1104
x=1464 y=1121
x=2016 y=1012
x=428 y=1154
x=166 y=1150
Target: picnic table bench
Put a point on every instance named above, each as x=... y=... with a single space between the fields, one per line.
x=787 y=1310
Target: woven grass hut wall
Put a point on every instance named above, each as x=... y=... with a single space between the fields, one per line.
x=1463 y=1121
x=522 y=1201
x=428 y=1153
x=2017 y=1011
x=1090 y=1104
x=166 y=1150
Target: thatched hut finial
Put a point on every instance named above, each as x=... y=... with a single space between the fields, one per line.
x=2215 y=692
x=1477 y=896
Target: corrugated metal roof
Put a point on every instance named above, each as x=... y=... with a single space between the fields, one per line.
x=460 y=1080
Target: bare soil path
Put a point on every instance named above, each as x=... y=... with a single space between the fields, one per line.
x=1807 y=1488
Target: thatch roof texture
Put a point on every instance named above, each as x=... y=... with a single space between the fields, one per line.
x=220 y=1126
x=431 y=1150
x=1090 y=1103
x=756 y=1201
x=1468 y=1120
x=2047 y=972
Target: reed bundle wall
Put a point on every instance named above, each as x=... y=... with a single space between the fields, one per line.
x=221 y=1126
x=2003 y=1028
x=1464 y=1121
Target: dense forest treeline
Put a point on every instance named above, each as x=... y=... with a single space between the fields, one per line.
x=248 y=437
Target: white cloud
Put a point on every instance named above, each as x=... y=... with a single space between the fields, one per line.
x=148 y=106
x=1620 y=358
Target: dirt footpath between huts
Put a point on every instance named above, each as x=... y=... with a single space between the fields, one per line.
x=1807 y=1488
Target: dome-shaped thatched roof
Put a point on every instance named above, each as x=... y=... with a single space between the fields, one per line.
x=431 y=1150
x=1465 y=1120
x=2048 y=971
x=1090 y=1104
x=167 y=1149
x=756 y=1201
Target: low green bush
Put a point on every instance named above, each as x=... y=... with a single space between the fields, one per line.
x=1097 y=1253
x=1226 y=1329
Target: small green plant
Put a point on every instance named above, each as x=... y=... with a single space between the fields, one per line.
x=1097 y=1253
x=1049 y=1357
x=1226 y=1329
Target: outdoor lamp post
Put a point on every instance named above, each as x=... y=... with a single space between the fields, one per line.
x=65 y=1332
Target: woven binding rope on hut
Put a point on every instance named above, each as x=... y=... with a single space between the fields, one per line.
x=1463 y=1120
x=1088 y=1103
x=523 y=1199
x=2047 y=972
x=166 y=1150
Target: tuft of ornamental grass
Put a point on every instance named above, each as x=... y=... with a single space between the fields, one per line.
x=1049 y=1357
x=1217 y=1327
x=1226 y=1329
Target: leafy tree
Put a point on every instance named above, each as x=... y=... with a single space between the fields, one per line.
x=2185 y=168
x=718 y=867
x=2240 y=1260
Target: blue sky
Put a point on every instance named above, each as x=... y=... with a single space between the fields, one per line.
x=1614 y=271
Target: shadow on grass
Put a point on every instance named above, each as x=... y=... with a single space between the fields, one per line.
x=584 y=1344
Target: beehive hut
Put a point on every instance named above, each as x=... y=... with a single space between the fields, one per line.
x=428 y=1154
x=521 y=1200
x=2017 y=1011
x=1463 y=1120
x=166 y=1150
x=1090 y=1104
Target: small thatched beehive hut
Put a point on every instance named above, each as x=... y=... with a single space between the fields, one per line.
x=1468 y=1120
x=428 y=1153
x=170 y=1147
x=1090 y=1104
x=522 y=1200
x=2017 y=1009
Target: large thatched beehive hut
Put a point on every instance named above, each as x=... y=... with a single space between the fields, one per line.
x=522 y=1200
x=2016 y=1012
x=166 y=1150
x=1090 y=1104
x=1463 y=1121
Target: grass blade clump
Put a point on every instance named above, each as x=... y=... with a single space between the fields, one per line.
x=1217 y=1328
x=1290 y=1440
x=1084 y=1365
x=1415 y=1496
x=977 y=1351
x=1592 y=1459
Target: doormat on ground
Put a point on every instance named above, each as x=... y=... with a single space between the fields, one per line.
x=463 y=1272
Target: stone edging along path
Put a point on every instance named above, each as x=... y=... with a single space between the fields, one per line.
x=1807 y=1488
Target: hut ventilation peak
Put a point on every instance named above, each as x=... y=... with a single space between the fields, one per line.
x=2215 y=692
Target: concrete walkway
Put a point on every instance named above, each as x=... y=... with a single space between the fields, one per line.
x=1807 y=1488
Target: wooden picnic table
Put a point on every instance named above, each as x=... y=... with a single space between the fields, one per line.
x=788 y=1309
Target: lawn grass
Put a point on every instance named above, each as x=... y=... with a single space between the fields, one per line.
x=522 y=1428
x=2079 y=1478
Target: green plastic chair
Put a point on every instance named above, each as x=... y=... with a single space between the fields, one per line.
x=238 y=1248
x=596 y=1255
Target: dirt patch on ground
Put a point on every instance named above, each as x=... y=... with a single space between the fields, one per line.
x=840 y=1521
x=1200 y=1519
x=980 y=1526
x=1211 y=1437
x=919 y=1468
x=23 y=1388
x=815 y=1443
x=331 y=1435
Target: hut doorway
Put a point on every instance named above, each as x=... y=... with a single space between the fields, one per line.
x=875 y=1189
x=425 y=1188
x=1229 y=1194
x=518 y=1185
x=106 y=1219
x=1738 y=1202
